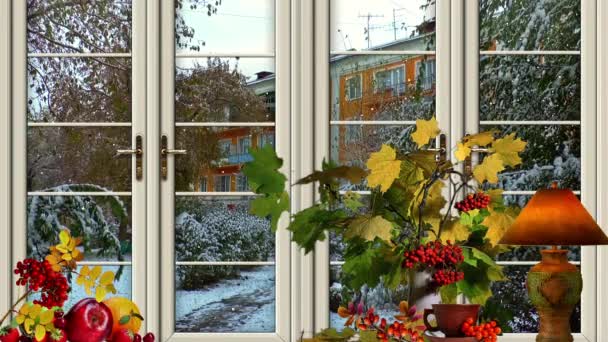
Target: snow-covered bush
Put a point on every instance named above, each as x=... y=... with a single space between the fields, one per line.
x=102 y=222
x=222 y=230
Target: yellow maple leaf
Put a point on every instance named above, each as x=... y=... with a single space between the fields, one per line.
x=480 y=139
x=462 y=151
x=425 y=131
x=454 y=231
x=384 y=168
x=508 y=149
x=498 y=222
x=489 y=169
x=369 y=228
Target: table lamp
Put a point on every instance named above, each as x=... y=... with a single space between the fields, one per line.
x=554 y=217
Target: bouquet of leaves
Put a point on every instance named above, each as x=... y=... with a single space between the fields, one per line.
x=407 y=226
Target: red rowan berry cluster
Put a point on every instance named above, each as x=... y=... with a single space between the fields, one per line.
x=471 y=202
x=446 y=277
x=39 y=276
x=397 y=331
x=484 y=332
x=442 y=258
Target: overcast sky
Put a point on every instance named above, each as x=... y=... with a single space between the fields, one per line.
x=248 y=26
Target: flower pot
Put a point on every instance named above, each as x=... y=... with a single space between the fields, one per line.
x=449 y=317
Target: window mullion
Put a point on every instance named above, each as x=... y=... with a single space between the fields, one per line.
x=5 y=154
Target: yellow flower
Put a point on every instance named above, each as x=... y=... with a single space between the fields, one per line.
x=66 y=253
x=37 y=319
x=88 y=278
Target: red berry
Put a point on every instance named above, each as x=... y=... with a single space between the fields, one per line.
x=149 y=337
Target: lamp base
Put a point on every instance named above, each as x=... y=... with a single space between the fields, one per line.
x=554 y=287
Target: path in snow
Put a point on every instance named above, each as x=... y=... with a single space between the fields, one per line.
x=245 y=304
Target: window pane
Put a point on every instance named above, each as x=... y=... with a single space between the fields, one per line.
x=530 y=88
x=220 y=229
x=79 y=26
x=225 y=299
x=79 y=89
x=513 y=296
x=530 y=25
x=245 y=26
x=104 y=222
x=59 y=157
x=552 y=154
x=214 y=153
x=352 y=144
x=382 y=25
x=382 y=87
x=224 y=89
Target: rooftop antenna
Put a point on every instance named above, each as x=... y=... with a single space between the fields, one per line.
x=369 y=16
x=343 y=38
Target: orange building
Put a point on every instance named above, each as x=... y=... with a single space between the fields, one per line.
x=235 y=142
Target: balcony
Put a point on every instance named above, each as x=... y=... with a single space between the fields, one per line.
x=239 y=158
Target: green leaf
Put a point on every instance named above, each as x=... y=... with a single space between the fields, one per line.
x=448 y=293
x=368 y=336
x=309 y=225
x=369 y=228
x=466 y=252
x=466 y=217
x=271 y=205
x=263 y=171
x=476 y=292
x=124 y=319
x=352 y=201
x=483 y=257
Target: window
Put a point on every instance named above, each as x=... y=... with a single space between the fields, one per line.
x=353 y=88
x=360 y=73
x=203 y=186
x=392 y=79
x=265 y=139
x=530 y=82
x=241 y=183
x=221 y=183
x=244 y=145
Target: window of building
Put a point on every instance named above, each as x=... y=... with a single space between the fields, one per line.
x=203 y=186
x=244 y=144
x=241 y=183
x=353 y=88
x=391 y=79
x=221 y=183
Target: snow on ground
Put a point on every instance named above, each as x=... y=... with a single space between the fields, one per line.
x=244 y=304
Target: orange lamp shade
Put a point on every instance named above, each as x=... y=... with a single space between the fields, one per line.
x=554 y=217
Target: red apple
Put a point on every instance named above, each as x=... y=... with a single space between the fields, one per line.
x=88 y=321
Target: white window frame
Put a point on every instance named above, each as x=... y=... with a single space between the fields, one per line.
x=454 y=64
x=14 y=56
x=282 y=126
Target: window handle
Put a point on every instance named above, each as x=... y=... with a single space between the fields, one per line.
x=164 y=152
x=138 y=152
x=441 y=148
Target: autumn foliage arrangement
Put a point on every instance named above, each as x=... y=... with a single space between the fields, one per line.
x=39 y=312
x=423 y=216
